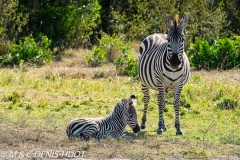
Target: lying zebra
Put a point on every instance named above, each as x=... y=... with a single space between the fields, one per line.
x=124 y=113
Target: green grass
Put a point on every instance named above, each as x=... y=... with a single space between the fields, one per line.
x=37 y=105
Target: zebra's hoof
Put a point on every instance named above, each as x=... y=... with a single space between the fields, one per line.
x=159 y=131
x=164 y=129
x=143 y=127
x=179 y=133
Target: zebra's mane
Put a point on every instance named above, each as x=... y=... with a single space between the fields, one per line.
x=175 y=21
x=119 y=108
x=120 y=105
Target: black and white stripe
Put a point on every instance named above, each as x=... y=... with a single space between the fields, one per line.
x=164 y=66
x=125 y=113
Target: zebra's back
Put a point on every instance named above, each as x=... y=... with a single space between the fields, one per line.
x=151 y=48
x=151 y=42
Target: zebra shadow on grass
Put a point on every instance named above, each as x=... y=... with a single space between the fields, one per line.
x=138 y=136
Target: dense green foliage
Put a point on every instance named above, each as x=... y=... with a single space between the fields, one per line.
x=136 y=19
x=221 y=53
x=126 y=64
x=113 y=50
x=79 y=23
x=29 y=51
x=66 y=23
x=106 y=51
x=11 y=25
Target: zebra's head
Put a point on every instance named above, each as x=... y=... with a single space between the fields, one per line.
x=175 y=39
x=130 y=115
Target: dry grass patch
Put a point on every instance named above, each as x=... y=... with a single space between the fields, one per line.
x=38 y=103
x=230 y=76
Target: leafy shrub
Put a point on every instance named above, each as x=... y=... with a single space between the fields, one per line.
x=108 y=50
x=98 y=58
x=223 y=53
x=11 y=25
x=112 y=50
x=12 y=21
x=34 y=51
x=66 y=23
x=127 y=65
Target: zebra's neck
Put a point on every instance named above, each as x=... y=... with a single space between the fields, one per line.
x=117 y=120
x=111 y=124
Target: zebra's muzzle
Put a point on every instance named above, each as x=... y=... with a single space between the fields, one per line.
x=174 y=61
x=136 y=129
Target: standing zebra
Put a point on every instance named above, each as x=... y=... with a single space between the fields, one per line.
x=124 y=113
x=164 y=66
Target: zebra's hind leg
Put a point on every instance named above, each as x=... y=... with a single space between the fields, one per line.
x=85 y=136
x=146 y=99
x=161 y=106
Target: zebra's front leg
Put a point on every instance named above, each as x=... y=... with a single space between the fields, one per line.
x=146 y=99
x=161 y=106
x=176 y=108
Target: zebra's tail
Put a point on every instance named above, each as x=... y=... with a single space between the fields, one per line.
x=67 y=133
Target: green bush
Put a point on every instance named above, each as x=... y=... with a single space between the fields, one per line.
x=222 y=53
x=66 y=23
x=113 y=50
x=98 y=58
x=107 y=51
x=12 y=23
x=126 y=65
x=33 y=51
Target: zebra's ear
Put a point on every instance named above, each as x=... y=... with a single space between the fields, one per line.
x=184 y=21
x=133 y=97
x=168 y=21
x=133 y=100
